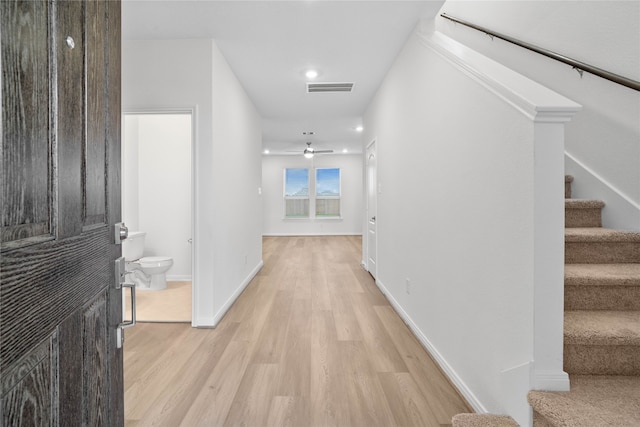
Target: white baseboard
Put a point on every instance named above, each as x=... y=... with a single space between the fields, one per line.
x=180 y=278
x=515 y=385
x=308 y=234
x=446 y=368
x=213 y=322
x=550 y=380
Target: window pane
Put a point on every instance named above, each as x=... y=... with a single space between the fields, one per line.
x=327 y=207
x=297 y=208
x=328 y=182
x=296 y=183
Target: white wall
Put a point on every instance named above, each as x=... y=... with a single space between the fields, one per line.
x=156 y=168
x=169 y=74
x=234 y=206
x=351 y=199
x=130 y=136
x=462 y=164
x=603 y=141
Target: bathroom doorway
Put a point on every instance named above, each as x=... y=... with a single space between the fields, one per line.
x=157 y=198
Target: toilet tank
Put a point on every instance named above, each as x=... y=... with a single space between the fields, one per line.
x=133 y=245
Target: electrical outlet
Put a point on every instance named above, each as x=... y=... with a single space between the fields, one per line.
x=408 y=285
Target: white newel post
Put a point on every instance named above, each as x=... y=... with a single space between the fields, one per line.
x=549 y=208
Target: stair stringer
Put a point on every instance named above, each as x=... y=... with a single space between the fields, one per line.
x=620 y=212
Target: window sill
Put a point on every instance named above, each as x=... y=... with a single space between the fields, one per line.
x=318 y=218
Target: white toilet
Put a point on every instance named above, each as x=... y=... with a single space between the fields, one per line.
x=148 y=273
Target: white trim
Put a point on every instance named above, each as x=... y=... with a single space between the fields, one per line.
x=430 y=348
x=515 y=385
x=311 y=234
x=314 y=219
x=620 y=212
x=606 y=183
x=212 y=322
x=365 y=219
x=535 y=101
x=179 y=278
x=550 y=381
x=192 y=110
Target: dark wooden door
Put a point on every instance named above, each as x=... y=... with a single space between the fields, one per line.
x=59 y=308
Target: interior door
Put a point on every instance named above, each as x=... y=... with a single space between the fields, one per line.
x=372 y=203
x=59 y=307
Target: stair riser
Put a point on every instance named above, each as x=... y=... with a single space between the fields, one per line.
x=601 y=252
x=583 y=217
x=605 y=297
x=540 y=420
x=602 y=359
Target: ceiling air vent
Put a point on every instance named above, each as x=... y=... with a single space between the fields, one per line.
x=329 y=87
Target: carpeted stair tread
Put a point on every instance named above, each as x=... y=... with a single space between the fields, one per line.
x=583 y=213
x=602 y=287
x=601 y=328
x=483 y=420
x=594 y=401
x=599 y=234
x=602 y=274
x=583 y=204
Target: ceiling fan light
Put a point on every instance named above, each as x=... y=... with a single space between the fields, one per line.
x=308 y=154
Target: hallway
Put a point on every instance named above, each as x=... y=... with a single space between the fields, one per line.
x=310 y=342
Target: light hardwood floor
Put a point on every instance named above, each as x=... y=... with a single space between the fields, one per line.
x=169 y=305
x=310 y=342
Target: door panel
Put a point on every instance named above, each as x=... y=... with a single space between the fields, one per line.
x=26 y=389
x=372 y=203
x=95 y=146
x=60 y=171
x=25 y=73
x=69 y=19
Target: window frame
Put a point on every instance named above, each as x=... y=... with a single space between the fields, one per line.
x=286 y=197
x=325 y=197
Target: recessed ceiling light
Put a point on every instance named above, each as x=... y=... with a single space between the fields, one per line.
x=311 y=74
x=266 y=151
x=359 y=129
x=345 y=151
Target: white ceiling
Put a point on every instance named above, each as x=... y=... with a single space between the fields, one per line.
x=270 y=44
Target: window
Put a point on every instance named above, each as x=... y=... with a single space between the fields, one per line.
x=296 y=193
x=321 y=195
x=328 y=192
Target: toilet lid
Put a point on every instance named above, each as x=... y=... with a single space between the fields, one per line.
x=155 y=260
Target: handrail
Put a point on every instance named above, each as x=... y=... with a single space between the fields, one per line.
x=578 y=65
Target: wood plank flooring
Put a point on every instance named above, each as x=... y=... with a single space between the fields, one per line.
x=168 y=305
x=310 y=342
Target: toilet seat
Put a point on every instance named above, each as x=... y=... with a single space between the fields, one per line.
x=155 y=261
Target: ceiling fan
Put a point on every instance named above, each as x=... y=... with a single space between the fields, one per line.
x=309 y=152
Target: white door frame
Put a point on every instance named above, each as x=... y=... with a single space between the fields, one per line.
x=193 y=112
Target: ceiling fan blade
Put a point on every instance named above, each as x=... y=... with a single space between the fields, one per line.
x=322 y=151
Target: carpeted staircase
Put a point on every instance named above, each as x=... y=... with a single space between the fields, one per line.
x=601 y=328
x=602 y=325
